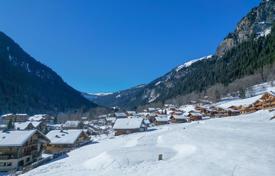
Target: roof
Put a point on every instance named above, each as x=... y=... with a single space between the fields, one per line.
x=162 y=118
x=195 y=114
x=63 y=136
x=15 y=138
x=120 y=114
x=133 y=123
x=73 y=124
x=6 y=115
x=22 y=125
x=37 y=117
x=180 y=117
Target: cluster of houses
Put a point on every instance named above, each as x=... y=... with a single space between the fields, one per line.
x=23 y=138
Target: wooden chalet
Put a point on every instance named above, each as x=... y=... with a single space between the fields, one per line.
x=62 y=141
x=179 y=119
x=20 y=148
x=194 y=116
x=161 y=120
x=129 y=125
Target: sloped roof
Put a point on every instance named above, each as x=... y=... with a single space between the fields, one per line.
x=128 y=123
x=120 y=114
x=37 y=117
x=16 y=138
x=180 y=117
x=73 y=124
x=22 y=125
x=163 y=118
x=63 y=136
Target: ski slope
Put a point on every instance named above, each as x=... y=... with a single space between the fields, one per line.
x=240 y=146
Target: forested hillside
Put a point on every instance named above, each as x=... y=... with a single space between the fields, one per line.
x=27 y=86
x=247 y=52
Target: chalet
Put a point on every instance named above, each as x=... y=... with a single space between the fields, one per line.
x=72 y=125
x=30 y=125
x=20 y=148
x=127 y=126
x=42 y=118
x=23 y=126
x=14 y=118
x=161 y=120
x=179 y=119
x=194 y=116
x=65 y=140
x=120 y=115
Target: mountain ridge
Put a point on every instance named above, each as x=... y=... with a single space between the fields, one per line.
x=253 y=30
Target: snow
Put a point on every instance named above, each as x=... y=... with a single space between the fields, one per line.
x=15 y=138
x=239 y=102
x=257 y=90
x=128 y=123
x=63 y=136
x=265 y=33
x=71 y=124
x=189 y=63
x=162 y=118
x=241 y=145
x=101 y=93
x=158 y=83
x=37 y=117
x=187 y=108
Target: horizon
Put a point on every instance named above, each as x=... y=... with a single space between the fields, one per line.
x=110 y=58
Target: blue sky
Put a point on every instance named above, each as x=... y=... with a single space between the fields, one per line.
x=109 y=45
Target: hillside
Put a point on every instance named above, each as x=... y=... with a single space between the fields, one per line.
x=249 y=50
x=27 y=86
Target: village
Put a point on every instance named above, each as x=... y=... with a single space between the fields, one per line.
x=27 y=142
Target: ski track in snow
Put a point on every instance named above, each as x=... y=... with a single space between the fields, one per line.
x=242 y=145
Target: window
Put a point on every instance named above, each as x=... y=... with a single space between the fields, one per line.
x=2 y=164
x=9 y=164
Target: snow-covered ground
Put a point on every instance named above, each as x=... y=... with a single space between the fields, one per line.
x=234 y=146
x=257 y=91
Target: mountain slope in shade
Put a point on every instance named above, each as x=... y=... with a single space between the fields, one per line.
x=246 y=51
x=28 y=86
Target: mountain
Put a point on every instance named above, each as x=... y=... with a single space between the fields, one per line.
x=93 y=96
x=249 y=50
x=28 y=86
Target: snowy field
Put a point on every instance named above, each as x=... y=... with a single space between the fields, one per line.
x=234 y=146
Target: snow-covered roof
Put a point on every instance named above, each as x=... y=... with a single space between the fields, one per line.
x=22 y=125
x=129 y=123
x=72 y=124
x=163 y=118
x=15 y=138
x=63 y=136
x=37 y=117
x=180 y=117
x=6 y=115
x=195 y=113
x=120 y=114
